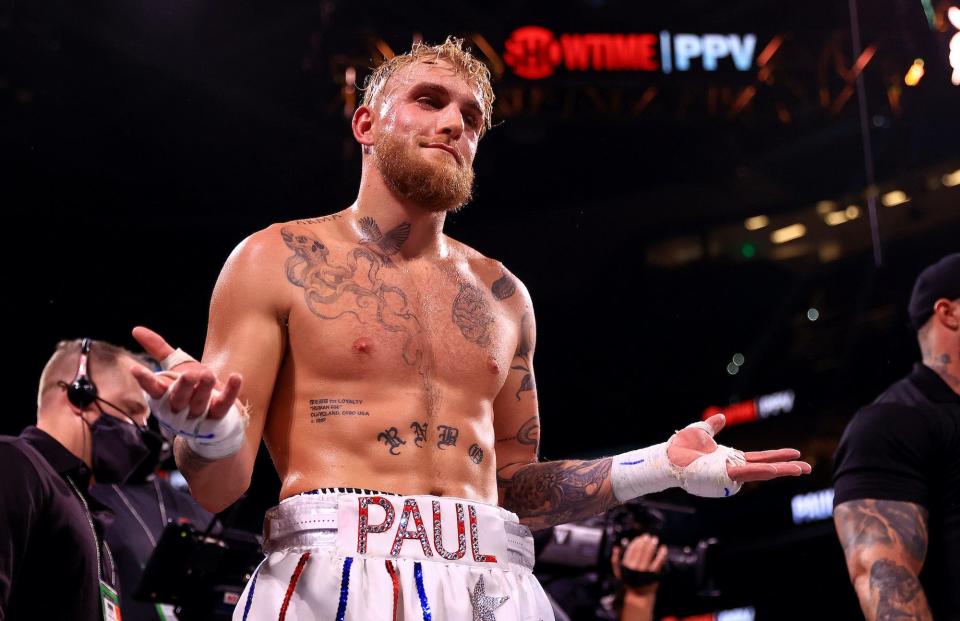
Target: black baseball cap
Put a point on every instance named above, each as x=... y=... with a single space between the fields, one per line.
x=940 y=280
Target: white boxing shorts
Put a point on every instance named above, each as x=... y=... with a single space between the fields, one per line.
x=381 y=557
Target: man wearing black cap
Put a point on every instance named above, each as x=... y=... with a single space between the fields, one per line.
x=897 y=471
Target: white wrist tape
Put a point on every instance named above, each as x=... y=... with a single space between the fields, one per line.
x=178 y=356
x=649 y=470
x=209 y=438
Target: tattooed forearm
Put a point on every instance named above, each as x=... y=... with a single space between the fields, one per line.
x=897 y=592
x=471 y=315
x=503 y=287
x=549 y=493
x=885 y=543
x=866 y=523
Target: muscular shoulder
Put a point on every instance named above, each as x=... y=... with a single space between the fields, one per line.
x=500 y=282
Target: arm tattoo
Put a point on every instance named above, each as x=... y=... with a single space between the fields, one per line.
x=522 y=357
x=528 y=434
x=868 y=522
x=354 y=287
x=503 y=287
x=471 y=315
x=549 y=493
x=898 y=592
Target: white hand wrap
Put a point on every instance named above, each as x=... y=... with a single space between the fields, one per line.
x=178 y=356
x=648 y=470
x=208 y=438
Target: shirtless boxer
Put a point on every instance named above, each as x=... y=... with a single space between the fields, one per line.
x=381 y=355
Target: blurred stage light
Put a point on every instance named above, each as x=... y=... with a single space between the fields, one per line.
x=825 y=207
x=852 y=211
x=951 y=179
x=894 y=198
x=812 y=507
x=748 y=250
x=914 y=73
x=953 y=14
x=835 y=217
x=732 y=369
x=813 y=314
x=738 y=359
x=756 y=223
x=788 y=233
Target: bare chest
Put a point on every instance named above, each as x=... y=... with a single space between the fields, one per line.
x=358 y=316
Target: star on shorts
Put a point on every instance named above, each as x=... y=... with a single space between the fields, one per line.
x=484 y=606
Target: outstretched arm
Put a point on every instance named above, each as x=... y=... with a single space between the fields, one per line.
x=245 y=339
x=543 y=494
x=885 y=544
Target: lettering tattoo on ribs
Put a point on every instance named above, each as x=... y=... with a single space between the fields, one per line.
x=476 y=453
x=447 y=436
x=354 y=287
x=472 y=315
x=392 y=439
x=420 y=433
x=321 y=409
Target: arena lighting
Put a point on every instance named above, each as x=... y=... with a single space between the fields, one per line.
x=534 y=52
x=914 y=73
x=836 y=217
x=894 y=198
x=734 y=614
x=951 y=179
x=766 y=406
x=812 y=507
x=788 y=233
x=756 y=223
x=852 y=211
x=825 y=207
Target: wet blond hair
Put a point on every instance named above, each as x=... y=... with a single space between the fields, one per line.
x=474 y=71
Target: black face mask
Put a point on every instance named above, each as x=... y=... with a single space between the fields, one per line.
x=119 y=449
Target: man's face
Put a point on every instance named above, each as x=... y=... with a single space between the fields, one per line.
x=428 y=120
x=121 y=389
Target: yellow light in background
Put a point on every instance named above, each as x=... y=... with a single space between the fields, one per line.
x=788 y=233
x=756 y=222
x=825 y=207
x=894 y=198
x=951 y=179
x=852 y=212
x=835 y=217
x=914 y=73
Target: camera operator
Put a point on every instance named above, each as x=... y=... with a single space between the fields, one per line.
x=637 y=566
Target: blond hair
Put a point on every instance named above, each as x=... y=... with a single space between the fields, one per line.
x=62 y=365
x=474 y=71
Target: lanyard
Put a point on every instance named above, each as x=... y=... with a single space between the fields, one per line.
x=96 y=539
x=136 y=514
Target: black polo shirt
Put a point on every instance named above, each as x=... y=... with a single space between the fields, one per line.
x=905 y=446
x=48 y=554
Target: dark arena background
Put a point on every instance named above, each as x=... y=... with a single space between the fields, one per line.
x=713 y=204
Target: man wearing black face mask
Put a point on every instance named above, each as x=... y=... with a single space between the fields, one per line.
x=142 y=507
x=91 y=414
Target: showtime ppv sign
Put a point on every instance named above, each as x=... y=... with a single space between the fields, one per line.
x=534 y=52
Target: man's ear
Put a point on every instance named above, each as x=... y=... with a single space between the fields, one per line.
x=947 y=313
x=362 y=125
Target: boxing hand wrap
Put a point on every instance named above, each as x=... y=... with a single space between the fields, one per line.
x=177 y=356
x=648 y=470
x=209 y=438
